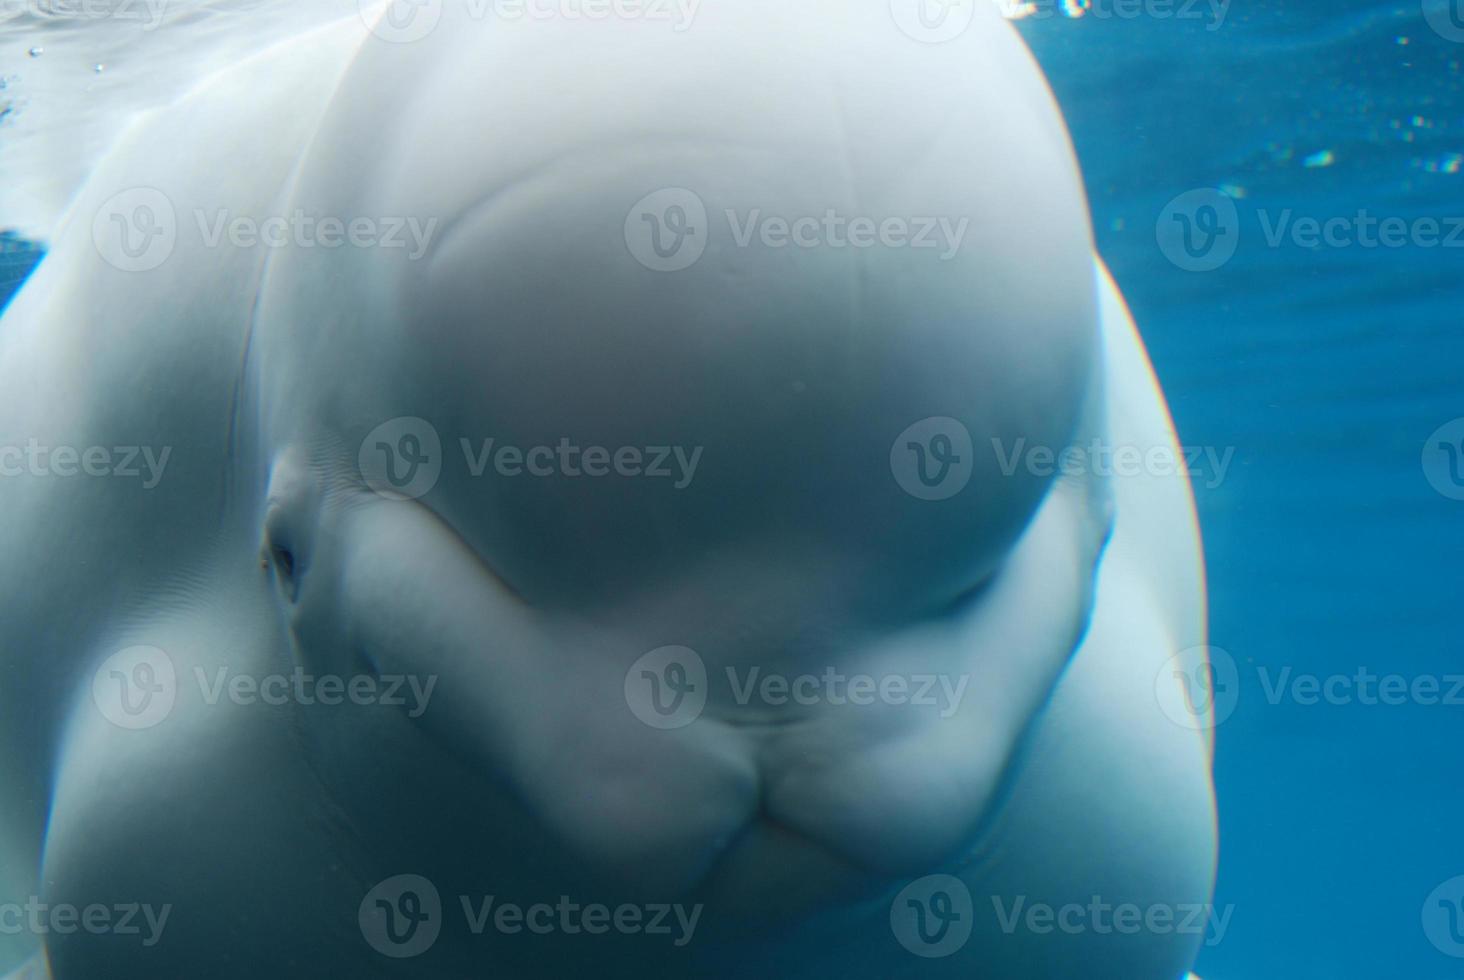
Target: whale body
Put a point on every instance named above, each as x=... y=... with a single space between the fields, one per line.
x=568 y=464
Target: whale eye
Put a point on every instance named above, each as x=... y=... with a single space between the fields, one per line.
x=288 y=526
x=284 y=562
x=280 y=555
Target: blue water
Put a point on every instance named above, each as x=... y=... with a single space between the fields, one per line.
x=17 y=258
x=1325 y=369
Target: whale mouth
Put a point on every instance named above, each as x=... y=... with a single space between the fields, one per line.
x=765 y=783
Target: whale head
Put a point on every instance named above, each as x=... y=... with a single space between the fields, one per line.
x=706 y=377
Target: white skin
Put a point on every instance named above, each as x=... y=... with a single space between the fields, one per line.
x=526 y=318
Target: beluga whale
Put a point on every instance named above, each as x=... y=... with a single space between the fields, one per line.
x=623 y=489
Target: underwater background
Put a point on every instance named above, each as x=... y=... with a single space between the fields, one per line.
x=1328 y=368
x=1322 y=362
